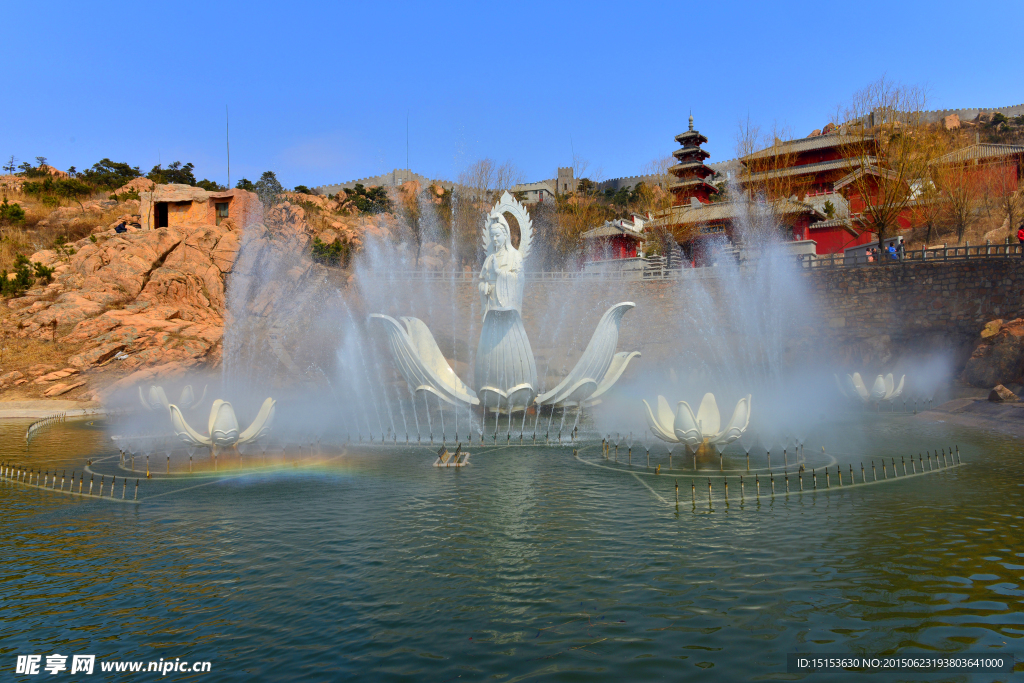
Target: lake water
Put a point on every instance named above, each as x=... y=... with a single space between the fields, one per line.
x=530 y=564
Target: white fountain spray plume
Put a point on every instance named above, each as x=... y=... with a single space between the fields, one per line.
x=736 y=328
x=747 y=441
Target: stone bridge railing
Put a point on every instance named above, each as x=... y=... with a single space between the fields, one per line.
x=641 y=270
x=917 y=256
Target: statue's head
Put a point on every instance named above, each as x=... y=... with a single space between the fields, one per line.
x=498 y=232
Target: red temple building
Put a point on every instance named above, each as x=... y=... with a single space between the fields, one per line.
x=616 y=239
x=705 y=228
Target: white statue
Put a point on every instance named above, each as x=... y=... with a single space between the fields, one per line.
x=223 y=426
x=505 y=372
x=884 y=388
x=703 y=428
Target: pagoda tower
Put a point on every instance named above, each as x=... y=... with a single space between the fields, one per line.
x=691 y=171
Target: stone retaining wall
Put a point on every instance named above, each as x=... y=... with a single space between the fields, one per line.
x=862 y=316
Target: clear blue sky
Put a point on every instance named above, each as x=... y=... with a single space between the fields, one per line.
x=319 y=92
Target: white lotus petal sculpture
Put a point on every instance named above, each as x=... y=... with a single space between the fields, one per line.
x=158 y=399
x=505 y=372
x=703 y=428
x=884 y=388
x=223 y=426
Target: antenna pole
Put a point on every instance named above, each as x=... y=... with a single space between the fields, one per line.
x=227 y=137
x=407 y=141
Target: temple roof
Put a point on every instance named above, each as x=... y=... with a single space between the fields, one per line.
x=722 y=211
x=807 y=145
x=820 y=167
x=861 y=171
x=622 y=226
x=844 y=223
x=981 y=151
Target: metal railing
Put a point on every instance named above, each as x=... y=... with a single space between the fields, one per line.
x=655 y=270
x=918 y=256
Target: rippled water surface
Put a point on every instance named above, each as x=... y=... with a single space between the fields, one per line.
x=528 y=565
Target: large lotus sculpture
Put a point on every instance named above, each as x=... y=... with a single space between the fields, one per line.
x=223 y=426
x=505 y=372
x=884 y=388
x=158 y=399
x=705 y=427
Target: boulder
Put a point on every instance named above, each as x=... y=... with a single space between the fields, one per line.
x=40 y=369
x=999 y=357
x=140 y=185
x=1001 y=394
x=58 y=389
x=10 y=377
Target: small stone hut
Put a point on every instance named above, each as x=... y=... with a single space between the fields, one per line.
x=171 y=205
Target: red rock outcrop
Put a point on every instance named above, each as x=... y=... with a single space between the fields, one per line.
x=143 y=297
x=999 y=358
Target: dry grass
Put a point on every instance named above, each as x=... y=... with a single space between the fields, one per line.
x=986 y=226
x=30 y=237
x=21 y=354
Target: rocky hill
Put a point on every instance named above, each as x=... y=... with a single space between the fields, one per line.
x=127 y=303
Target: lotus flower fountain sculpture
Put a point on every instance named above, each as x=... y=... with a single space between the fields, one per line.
x=158 y=399
x=697 y=430
x=505 y=372
x=884 y=388
x=223 y=426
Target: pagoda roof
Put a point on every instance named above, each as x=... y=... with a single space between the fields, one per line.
x=807 y=144
x=690 y=152
x=695 y=165
x=691 y=136
x=692 y=182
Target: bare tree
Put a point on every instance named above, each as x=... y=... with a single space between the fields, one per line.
x=1002 y=187
x=957 y=176
x=892 y=152
x=767 y=175
x=480 y=186
x=578 y=211
x=654 y=196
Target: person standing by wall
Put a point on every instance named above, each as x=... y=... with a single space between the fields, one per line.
x=1020 y=239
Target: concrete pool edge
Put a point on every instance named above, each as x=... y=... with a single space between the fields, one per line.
x=1007 y=418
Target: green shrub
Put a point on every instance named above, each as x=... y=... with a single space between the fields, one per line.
x=333 y=254
x=63 y=249
x=43 y=273
x=111 y=175
x=22 y=280
x=369 y=200
x=125 y=196
x=210 y=186
x=51 y=191
x=174 y=173
x=11 y=214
